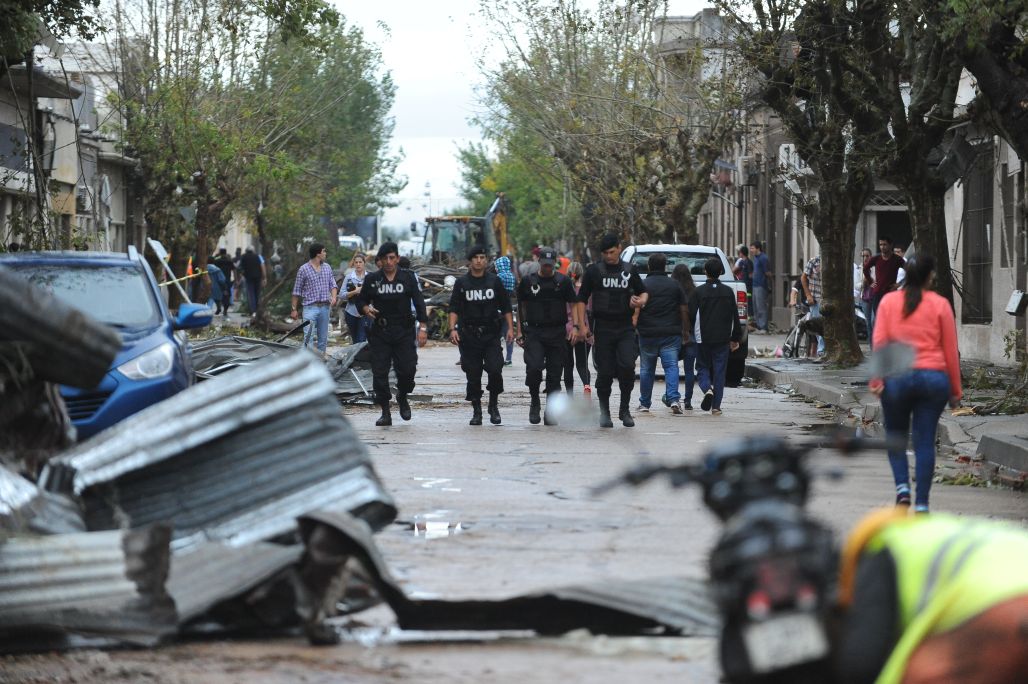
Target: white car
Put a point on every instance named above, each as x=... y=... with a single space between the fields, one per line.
x=694 y=256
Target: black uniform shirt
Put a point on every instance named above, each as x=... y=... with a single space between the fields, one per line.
x=479 y=301
x=543 y=301
x=662 y=315
x=611 y=287
x=393 y=298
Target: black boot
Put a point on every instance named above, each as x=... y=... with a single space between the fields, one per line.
x=386 y=419
x=605 y=421
x=624 y=415
x=494 y=409
x=476 y=412
x=403 y=405
x=533 y=410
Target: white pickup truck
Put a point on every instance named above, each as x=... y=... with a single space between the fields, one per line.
x=694 y=256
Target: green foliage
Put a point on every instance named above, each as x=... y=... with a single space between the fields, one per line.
x=21 y=20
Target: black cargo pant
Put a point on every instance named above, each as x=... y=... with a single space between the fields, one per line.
x=480 y=349
x=393 y=345
x=546 y=349
x=614 y=354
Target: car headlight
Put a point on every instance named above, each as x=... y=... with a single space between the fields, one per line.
x=152 y=364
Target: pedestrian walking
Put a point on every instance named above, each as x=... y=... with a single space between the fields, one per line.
x=683 y=276
x=478 y=304
x=387 y=296
x=617 y=291
x=880 y=273
x=505 y=271
x=761 y=286
x=662 y=326
x=219 y=285
x=238 y=285
x=864 y=293
x=255 y=277
x=932 y=599
x=542 y=319
x=811 y=281
x=578 y=349
x=224 y=263
x=714 y=323
x=353 y=281
x=912 y=402
x=315 y=290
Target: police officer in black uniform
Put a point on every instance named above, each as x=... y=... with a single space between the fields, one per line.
x=617 y=290
x=542 y=319
x=387 y=296
x=477 y=304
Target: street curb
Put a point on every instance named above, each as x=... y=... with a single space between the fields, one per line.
x=1007 y=454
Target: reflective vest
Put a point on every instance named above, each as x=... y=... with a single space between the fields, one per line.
x=948 y=570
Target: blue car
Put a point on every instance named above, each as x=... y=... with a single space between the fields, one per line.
x=119 y=290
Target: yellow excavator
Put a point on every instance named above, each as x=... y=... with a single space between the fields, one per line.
x=450 y=237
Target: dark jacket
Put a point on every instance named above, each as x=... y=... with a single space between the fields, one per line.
x=713 y=304
x=662 y=315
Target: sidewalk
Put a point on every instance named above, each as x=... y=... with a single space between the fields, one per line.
x=995 y=447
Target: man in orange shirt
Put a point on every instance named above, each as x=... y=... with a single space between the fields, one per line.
x=562 y=264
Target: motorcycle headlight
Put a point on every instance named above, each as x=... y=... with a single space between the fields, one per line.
x=153 y=364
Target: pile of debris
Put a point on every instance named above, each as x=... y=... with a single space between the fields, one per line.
x=184 y=516
x=350 y=366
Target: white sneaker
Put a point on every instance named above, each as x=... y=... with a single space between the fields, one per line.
x=676 y=410
x=715 y=412
x=642 y=409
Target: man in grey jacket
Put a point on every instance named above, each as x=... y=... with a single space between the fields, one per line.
x=714 y=322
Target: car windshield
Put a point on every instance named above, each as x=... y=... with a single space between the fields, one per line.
x=115 y=295
x=694 y=260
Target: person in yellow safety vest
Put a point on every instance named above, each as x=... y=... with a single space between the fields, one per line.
x=939 y=598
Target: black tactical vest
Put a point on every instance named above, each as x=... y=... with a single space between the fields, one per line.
x=611 y=292
x=542 y=301
x=481 y=299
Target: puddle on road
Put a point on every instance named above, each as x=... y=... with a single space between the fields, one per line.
x=436 y=483
x=434 y=525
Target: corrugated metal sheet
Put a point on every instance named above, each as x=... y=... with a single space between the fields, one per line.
x=220 y=354
x=97 y=583
x=250 y=485
x=200 y=414
x=677 y=605
x=23 y=506
x=212 y=573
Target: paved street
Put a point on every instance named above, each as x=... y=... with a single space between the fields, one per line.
x=494 y=511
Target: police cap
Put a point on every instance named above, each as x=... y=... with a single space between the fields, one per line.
x=475 y=251
x=547 y=255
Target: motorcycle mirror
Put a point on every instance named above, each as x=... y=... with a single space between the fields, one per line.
x=890 y=360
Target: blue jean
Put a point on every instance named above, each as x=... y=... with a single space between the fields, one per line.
x=650 y=348
x=358 y=327
x=688 y=356
x=815 y=312
x=317 y=314
x=912 y=404
x=711 y=365
x=760 y=306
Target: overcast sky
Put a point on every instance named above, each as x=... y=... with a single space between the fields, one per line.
x=430 y=47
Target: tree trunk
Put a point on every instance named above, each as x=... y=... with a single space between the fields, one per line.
x=267 y=245
x=928 y=220
x=834 y=219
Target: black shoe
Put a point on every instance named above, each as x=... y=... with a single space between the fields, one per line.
x=687 y=406
x=494 y=411
x=708 y=399
x=626 y=417
x=403 y=405
x=533 y=412
x=666 y=401
x=386 y=418
x=605 y=421
x=476 y=413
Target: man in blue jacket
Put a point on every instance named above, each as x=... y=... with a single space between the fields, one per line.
x=714 y=322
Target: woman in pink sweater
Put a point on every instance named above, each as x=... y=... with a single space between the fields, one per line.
x=913 y=401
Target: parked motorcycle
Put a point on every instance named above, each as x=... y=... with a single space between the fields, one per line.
x=773 y=568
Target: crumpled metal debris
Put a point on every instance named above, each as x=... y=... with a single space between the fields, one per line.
x=95 y=584
x=672 y=605
x=267 y=446
x=24 y=507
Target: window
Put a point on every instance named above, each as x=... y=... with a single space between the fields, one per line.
x=116 y=295
x=978 y=221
